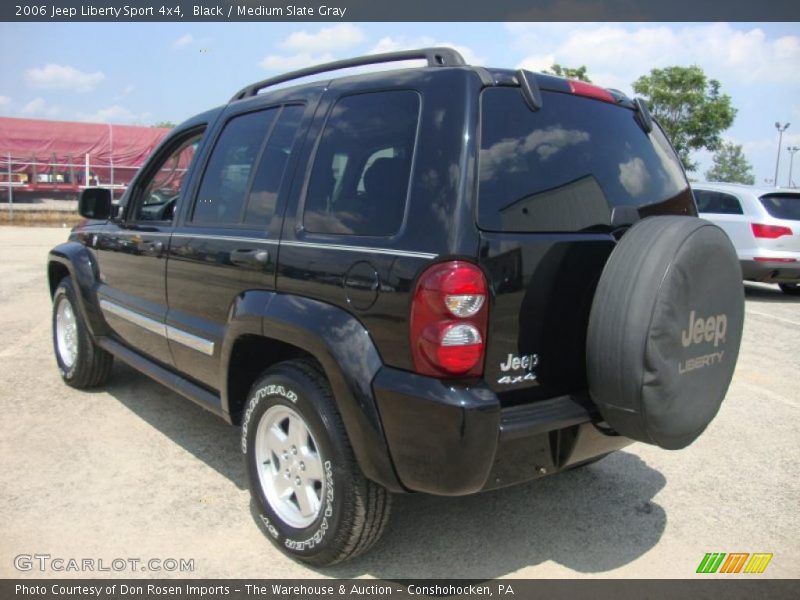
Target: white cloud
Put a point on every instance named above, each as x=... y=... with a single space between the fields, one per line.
x=397 y=43
x=115 y=114
x=537 y=62
x=336 y=37
x=34 y=106
x=279 y=62
x=633 y=176
x=324 y=46
x=757 y=145
x=766 y=144
x=308 y=49
x=183 y=41
x=4 y=100
x=393 y=44
x=126 y=91
x=616 y=55
x=510 y=155
x=63 y=77
x=38 y=107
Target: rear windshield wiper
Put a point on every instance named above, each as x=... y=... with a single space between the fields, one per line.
x=530 y=89
x=643 y=117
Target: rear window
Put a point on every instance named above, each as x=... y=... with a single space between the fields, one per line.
x=567 y=165
x=717 y=203
x=782 y=206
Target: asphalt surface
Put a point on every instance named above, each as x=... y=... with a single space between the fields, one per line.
x=136 y=471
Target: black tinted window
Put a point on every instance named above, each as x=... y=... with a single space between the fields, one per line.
x=717 y=203
x=783 y=206
x=359 y=181
x=160 y=195
x=267 y=179
x=220 y=199
x=565 y=166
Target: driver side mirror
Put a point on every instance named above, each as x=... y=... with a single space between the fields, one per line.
x=95 y=203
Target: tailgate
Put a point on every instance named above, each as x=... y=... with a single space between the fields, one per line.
x=543 y=289
x=549 y=182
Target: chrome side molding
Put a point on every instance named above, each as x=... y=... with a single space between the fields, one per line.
x=173 y=334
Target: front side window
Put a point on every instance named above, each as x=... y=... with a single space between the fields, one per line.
x=717 y=203
x=159 y=196
x=221 y=197
x=359 y=181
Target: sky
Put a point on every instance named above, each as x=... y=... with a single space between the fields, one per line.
x=142 y=73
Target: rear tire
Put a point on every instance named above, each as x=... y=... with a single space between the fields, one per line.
x=792 y=289
x=81 y=362
x=311 y=498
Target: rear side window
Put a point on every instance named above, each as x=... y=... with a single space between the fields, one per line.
x=221 y=197
x=782 y=206
x=565 y=166
x=717 y=203
x=359 y=181
x=269 y=175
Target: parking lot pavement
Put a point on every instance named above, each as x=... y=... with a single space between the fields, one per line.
x=135 y=471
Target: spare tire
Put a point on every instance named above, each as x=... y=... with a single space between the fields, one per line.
x=664 y=330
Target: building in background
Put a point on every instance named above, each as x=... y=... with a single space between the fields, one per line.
x=56 y=159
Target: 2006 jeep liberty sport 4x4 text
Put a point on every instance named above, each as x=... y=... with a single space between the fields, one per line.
x=443 y=279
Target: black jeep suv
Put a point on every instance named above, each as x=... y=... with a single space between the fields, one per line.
x=443 y=279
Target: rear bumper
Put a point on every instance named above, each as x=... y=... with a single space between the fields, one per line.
x=451 y=440
x=771 y=272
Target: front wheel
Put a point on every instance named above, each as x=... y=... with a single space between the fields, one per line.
x=311 y=498
x=81 y=362
x=793 y=289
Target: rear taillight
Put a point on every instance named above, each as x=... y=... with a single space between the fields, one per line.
x=448 y=320
x=774 y=260
x=769 y=231
x=581 y=88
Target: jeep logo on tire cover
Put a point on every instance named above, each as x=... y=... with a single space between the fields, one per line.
x=710 y=329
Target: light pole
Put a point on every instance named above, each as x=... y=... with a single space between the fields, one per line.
x=792 y=150
x=780 y=129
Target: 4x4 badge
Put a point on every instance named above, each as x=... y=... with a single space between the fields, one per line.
x=525 y=363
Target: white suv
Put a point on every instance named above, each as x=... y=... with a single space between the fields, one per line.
x=764 y=226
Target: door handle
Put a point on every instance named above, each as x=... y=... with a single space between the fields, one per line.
x=154 y=248
x=250 y=258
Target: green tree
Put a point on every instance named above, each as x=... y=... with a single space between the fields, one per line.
x=166 y=124
x=730 y=165
x=569 y=72
x=689 y=106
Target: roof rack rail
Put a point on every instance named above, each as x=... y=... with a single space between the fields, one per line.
x=436 y=57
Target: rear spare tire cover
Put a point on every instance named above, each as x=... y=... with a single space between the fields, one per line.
x=664 y=330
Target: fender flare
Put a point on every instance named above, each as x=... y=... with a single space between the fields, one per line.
x=346 y=352
x=82 y=267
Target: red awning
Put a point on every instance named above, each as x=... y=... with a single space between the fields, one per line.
x=68 y=142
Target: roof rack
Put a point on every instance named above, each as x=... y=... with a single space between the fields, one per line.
x=436 y=57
